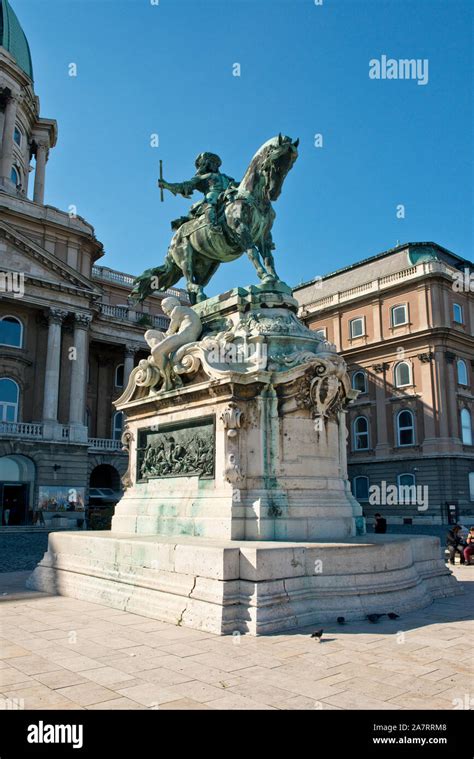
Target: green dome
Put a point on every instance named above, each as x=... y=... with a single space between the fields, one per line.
x=13 y=39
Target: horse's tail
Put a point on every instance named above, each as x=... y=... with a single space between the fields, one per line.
x=159 y=278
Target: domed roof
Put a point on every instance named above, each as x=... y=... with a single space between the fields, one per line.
x=13 y=39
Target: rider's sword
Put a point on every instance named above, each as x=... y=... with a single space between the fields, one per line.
x=161 y=179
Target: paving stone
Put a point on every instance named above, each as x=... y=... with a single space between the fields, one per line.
x=184 y=704
x=118 y=660
x=32 y=665
x=60 y=678
x=117 y=703
x=87 y=693
x=149 y=694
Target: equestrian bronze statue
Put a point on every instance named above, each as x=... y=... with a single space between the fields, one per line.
x=232 y=219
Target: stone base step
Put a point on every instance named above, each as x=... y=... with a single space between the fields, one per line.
x=245 y=586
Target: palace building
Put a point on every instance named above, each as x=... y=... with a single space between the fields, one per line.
x=404 y=323
x=69 y=335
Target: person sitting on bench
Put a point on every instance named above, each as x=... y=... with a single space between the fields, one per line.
x=455 y=543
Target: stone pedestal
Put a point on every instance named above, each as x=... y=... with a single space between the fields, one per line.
x=237 y=514
x=262 y=396
x=245 y=586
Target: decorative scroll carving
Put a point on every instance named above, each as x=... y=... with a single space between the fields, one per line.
x=126 y=440
x=231 y=416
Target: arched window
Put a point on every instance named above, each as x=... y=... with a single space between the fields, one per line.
x=117 y=425
x=9 y=398
x=462 y=372
x=406 y=488
x=360 y=488
x=361 y=434
x=11 y=331
x=15 y=176
x=17 y=136
x=405 y=428
x=359 y=381
x=119 y=375
x=458 y=315
x=466 y=427
x=403 y=374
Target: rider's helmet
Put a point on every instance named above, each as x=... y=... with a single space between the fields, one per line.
x=207 y=162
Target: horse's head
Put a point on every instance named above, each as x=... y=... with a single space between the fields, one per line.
x=271 y=162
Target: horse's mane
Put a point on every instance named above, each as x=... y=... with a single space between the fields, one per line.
x=252 y=174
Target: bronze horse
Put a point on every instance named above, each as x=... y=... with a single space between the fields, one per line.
x=246 y=218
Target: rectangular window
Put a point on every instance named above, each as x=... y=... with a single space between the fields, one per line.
x=357 y=327
x=458 y=314
x=399 y=315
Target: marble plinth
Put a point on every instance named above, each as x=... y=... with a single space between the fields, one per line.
x=254 y=587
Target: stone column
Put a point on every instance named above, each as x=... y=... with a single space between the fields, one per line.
x=426 y=385
x=53 y=360
x=452 y=386
x=41 y=157
x=441 y=398
x=6 y=160
x=129 y=361
x=77 y=400
x=382 y=447
x=377 y=317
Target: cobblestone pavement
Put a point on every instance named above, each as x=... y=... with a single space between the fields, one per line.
x=21 y=549
x=60 y=653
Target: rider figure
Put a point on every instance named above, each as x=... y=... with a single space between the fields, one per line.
x=208 y=180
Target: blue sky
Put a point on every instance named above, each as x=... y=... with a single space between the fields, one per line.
x=167 y=69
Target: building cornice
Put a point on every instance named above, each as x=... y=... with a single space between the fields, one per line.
x=25 y=208
x=373 y=289
x=70 y=278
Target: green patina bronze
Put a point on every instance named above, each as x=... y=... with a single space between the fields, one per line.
x=13 y=38
x=177 y=451
x=232 y=219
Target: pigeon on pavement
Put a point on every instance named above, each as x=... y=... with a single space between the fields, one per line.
x=374 y=617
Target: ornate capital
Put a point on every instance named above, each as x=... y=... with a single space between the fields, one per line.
x=380 y=368
x=82 y=321
x=57 y=315
x=131 y=349
x=425 y=358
